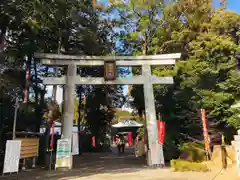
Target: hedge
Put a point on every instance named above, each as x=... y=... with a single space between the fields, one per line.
x=182 y=165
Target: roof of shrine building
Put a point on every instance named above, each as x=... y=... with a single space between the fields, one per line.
x=127 y=123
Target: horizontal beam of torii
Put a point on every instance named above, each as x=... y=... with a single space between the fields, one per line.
x=63 y=60
x=106 y=58
x=146 y=79
x=97 y=80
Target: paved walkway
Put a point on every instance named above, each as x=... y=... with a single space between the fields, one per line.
x=110 y=166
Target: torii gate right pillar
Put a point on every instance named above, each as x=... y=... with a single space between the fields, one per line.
x=68 y=112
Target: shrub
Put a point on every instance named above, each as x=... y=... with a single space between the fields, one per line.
x=181 y=165
x=169 y=148
x=193 y=152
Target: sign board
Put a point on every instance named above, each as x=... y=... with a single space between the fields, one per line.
x=63 y=155
x=110 y=70
x=12 y=156
x=75 y=145
x=29 y=147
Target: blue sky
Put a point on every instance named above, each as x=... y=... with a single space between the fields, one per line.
x=234 y=5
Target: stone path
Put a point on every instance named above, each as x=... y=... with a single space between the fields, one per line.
x=109 y=166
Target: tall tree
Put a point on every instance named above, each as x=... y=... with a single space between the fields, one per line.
x=208 y=40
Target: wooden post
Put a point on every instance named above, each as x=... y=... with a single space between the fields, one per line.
x=223 y=153
x=15 y=118
x=26 y=90
x=24 y=164
x=205 y=134
x=34 y=162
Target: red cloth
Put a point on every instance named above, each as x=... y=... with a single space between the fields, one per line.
x=130 y=139
x=93 y=142
x=161 y=132
x=117 y=138
x=52 y=136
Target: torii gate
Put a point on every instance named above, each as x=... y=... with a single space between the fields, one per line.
x=146 y=79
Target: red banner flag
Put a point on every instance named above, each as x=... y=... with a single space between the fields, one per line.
x=205 y=130
x=93 y=142
x=130 y=138
x=52 y=136
x=161 y=132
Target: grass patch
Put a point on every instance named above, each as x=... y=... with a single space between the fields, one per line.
x=182 y=165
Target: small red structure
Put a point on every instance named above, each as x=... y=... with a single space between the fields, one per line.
x=52 y=136
x=117 y=139
x=93 y=142
x=130 y=143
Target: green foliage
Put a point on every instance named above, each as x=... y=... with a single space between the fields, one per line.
x=122 y=114
x=205 y=77
x=99 y=104
x=141 y=132
x=67 y=27
x=181 y=165
x=170 y=148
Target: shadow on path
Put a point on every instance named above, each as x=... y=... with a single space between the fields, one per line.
x=86 y=165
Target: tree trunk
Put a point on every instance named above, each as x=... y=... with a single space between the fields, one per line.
x=37 y=105
x=2 y=38
x=36 y=83
x=44 y=141
x=43 y=158
x=28 y=77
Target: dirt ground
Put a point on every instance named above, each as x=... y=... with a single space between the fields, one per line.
x=106 y=166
